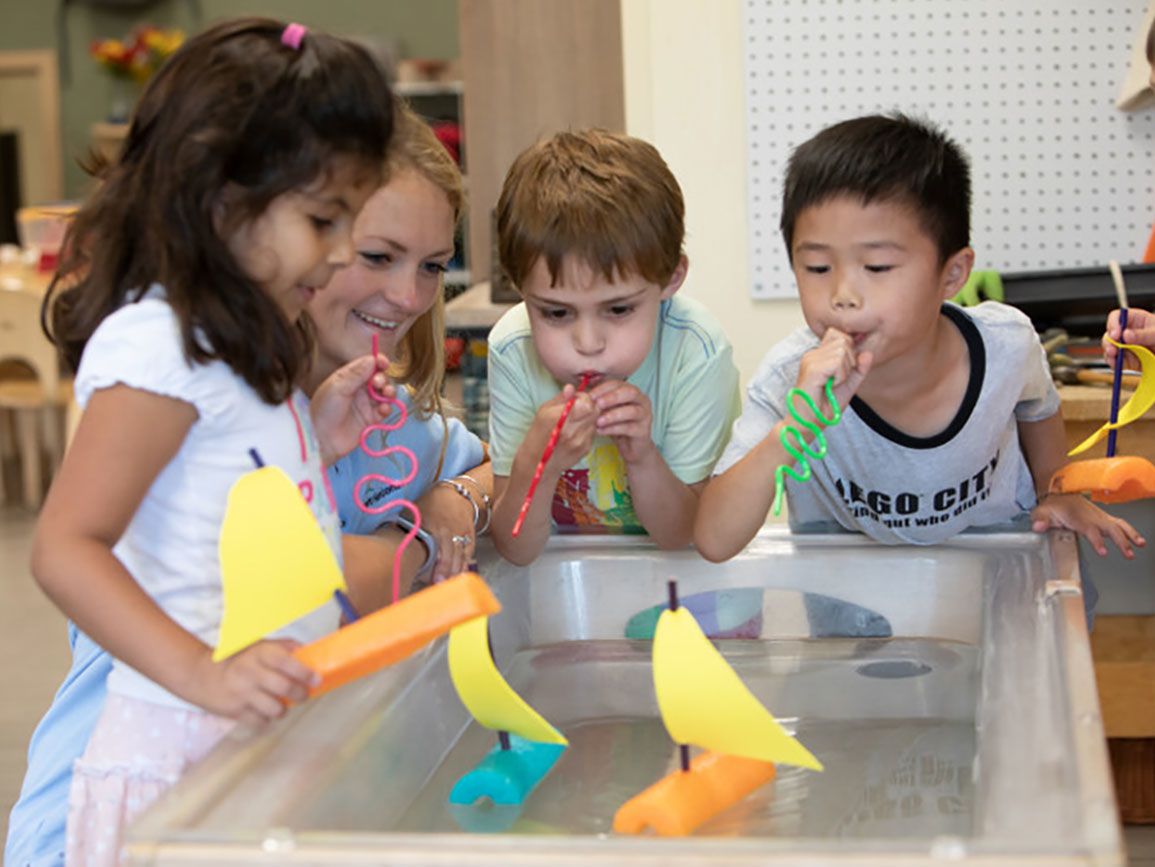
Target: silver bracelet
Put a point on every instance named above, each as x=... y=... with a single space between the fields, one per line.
x=422 y=536
x=486 y=501
x=461 y=489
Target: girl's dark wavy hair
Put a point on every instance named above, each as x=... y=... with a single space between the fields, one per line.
x=233 y=106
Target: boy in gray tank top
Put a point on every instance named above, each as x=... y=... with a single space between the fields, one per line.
x=950 y=419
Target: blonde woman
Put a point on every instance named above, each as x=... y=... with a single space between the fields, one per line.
x=404 y=239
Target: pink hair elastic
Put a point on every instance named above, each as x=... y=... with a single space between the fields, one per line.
x=293 y=34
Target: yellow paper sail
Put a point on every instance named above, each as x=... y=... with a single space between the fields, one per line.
x=485 y=692
x=704 y=702
x=276 y=565
x=1135 y=408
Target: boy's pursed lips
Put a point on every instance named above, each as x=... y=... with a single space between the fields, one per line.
x=856 y=337
x=591 y=377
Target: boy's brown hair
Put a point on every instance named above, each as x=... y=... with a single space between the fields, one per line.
x=608 y=199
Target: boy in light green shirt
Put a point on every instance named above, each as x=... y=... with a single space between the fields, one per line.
x=590 y=230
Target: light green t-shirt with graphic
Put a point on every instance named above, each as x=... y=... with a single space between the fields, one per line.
x=689 y=376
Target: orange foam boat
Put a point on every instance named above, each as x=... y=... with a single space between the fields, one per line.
x=393 y=633
x=1114 y=479
x=703 y=702
x=683 y=800
x=1107 y=480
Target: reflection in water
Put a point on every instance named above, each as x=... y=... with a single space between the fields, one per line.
x=894 y=668
x=485 y=817
x=899 y=752
x=751 y=612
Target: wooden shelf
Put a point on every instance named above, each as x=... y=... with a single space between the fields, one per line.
x=409 y=89
x=107 y=138
x=457 y=277
x=472 y=309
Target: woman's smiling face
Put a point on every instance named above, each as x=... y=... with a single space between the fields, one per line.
x=403 y=240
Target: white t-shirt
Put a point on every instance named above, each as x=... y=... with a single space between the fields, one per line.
x=897 y=488
x=171 y=545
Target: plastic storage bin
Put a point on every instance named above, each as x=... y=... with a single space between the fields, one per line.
x=948 y=690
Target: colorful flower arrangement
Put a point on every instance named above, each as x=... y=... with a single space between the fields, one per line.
x=138 y=56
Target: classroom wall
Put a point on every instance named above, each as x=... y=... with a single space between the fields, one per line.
x=417 y=28
x=685 y=93
x=683 y=71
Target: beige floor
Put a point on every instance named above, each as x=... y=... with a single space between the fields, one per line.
x=1141 y=845
x=34 y=657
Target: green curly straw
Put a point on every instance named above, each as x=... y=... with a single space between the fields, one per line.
x=802 y=449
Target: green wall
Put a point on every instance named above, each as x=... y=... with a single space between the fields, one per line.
x=414 y=28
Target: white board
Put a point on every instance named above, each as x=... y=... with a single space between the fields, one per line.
x=1061 y=177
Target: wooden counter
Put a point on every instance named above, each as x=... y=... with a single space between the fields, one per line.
x=22 y=279
x=1123 y=647
x=1124 y=651
x=1087 y=407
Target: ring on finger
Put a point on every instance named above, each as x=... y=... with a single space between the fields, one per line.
x=462 y=540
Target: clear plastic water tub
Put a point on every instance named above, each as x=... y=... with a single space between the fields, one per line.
x=948 y=690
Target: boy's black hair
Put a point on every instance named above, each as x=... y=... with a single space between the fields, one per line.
x=881 y=158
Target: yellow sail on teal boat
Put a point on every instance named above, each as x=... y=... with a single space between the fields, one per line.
x=528 y=745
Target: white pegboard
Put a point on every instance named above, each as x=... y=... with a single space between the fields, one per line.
x=1061 y=177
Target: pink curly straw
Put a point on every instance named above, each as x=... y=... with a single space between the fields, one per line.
x=377 y=453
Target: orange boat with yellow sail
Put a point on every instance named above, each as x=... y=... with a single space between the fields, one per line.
x=704 y=703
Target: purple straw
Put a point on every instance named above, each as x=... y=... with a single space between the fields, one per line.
x=1116 y=383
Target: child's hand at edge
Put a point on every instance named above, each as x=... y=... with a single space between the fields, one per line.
x=342 y=407
x=834 y=357
x=1075 y=512
x=1140 y=331
x=625 y=413
x=254 y=685
x=576 y=436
